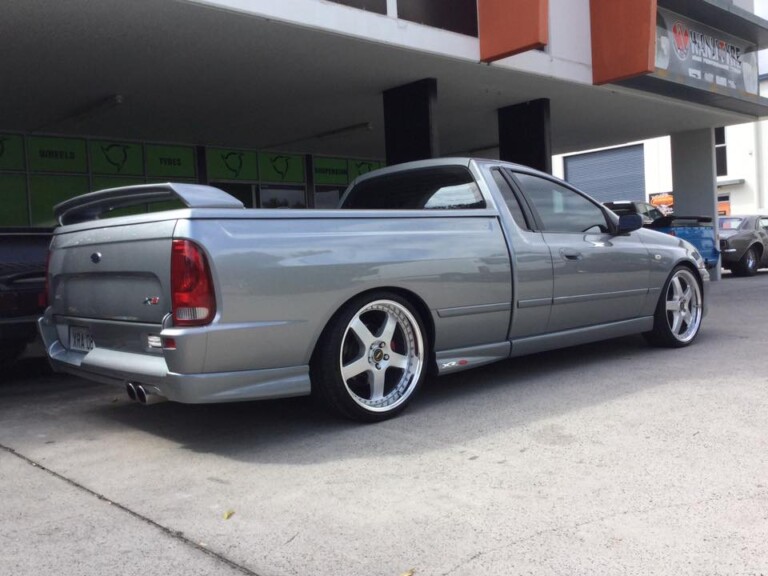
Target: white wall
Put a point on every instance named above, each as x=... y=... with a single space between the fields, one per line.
x=569 y=53
x=658 y=165
x=349 y=21
x=746 y=4
x=743 y=160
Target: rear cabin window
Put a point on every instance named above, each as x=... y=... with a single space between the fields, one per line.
x=442 y=188
x=730 y=223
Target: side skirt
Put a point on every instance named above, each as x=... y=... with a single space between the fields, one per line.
x=456 y=360
x=578 y=336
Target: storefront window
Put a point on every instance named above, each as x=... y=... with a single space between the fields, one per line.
x=277 y=196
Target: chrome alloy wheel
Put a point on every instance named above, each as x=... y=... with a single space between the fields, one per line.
x=381 y=356
x=683 y=305
x=750 y=260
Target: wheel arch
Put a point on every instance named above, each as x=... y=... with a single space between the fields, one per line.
x=418 y=303
x=691 y=266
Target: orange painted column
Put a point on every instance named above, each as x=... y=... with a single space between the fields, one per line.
x=623 y=39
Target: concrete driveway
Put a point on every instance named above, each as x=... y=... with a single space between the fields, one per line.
x=613 y=458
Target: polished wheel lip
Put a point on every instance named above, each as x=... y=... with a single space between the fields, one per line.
x=683 y=306
x=751 y=262
x=376 y=355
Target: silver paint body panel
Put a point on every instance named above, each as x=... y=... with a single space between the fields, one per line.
x=488 y=290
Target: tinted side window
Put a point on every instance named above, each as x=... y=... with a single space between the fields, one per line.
x=510 y=200
x=561 y=209
x=444 y=187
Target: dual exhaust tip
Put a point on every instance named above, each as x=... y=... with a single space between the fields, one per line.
x=138 y=393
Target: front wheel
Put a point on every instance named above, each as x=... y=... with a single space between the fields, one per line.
x=678 y=314
x=371 y=358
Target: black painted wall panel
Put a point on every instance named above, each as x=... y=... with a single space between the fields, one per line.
x=454 y=15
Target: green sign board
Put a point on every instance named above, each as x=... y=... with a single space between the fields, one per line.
x=104 y=182
x=57 y=155
x=228 y=164
x=279 y=168
x=116 y=158
x=359 y=167
x=171 y=161
x=13 y=199
x=11 y=152
x=47 y=191
x=331 y=171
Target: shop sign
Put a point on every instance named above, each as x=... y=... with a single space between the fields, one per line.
x=229 y=164
x=359 y=167
x=13 y=195
x=171 y=161
x=331 y=171
x=46 y=191
x=11 y=152
x=116 y=158
x=57 y=155
x=696 y=55
x=280 y=168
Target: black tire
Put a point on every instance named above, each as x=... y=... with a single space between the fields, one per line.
x=678 y=315
x=371 y=358
x=748 y=264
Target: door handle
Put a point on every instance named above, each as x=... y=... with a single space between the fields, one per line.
x=570 y=254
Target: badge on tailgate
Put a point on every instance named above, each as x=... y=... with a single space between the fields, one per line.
x=80 y=339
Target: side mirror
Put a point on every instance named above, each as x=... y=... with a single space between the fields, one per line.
x=629 y=223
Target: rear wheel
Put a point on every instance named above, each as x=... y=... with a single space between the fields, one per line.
x=748 y=264
x=371 y=358
x=678 y=314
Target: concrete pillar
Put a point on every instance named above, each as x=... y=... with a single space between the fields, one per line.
x=694 y=176
x=524 y=134
x=409 y=130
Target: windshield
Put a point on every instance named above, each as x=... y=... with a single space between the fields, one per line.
x=730 y=223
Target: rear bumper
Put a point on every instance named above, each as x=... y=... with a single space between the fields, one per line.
x=731 y=256
x=117 y=368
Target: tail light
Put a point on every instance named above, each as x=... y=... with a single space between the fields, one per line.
x=192 y=297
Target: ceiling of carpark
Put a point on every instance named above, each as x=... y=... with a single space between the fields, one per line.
x=188 y=73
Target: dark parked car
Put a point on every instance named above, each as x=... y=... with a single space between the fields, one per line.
x=23 y=253
x=744 y=243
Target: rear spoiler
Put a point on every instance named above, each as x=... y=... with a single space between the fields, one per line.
x=92 y=205
x=667 y=221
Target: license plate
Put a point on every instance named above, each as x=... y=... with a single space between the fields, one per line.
x=80 y=339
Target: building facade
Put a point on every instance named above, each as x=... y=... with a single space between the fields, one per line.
x=283 y=102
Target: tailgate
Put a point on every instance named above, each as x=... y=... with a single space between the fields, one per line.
x=111 y=274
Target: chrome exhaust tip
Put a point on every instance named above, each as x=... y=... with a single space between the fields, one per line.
x=130 y=388
x=146 y=397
